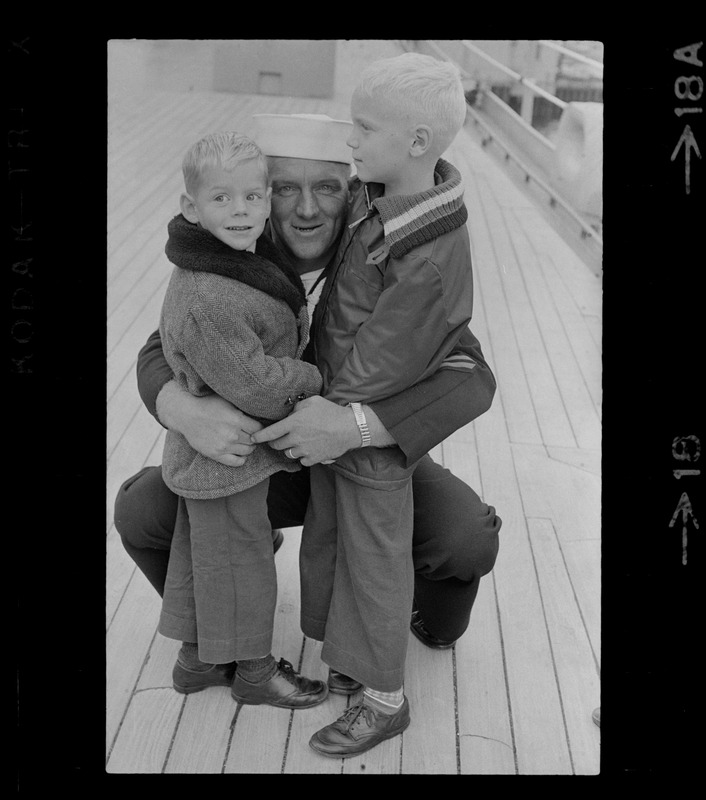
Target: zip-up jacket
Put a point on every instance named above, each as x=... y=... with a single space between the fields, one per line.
x=396 y=305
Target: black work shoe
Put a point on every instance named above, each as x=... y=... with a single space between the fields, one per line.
x=188 y=680
x=277 y=539
x=419 y=630
x=285 y=689
x=338 y=683
x=359 y=729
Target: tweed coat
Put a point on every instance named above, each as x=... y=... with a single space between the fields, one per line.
x=234 y=334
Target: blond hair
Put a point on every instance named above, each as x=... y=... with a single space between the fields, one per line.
x=419 y=87
x=225 y=149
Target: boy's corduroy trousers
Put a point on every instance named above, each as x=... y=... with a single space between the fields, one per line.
x=357 y=572
x=221 y=586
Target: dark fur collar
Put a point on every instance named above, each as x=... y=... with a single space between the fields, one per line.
x=192 y=247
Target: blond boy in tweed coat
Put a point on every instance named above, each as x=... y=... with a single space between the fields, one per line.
x=234 y=322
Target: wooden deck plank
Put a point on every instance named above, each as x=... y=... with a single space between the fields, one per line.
x=546 y=399
x=486 y=745
x=127 y=643
x=259 y=740
x=124 y=353
x=429 y=687
x=587 y=460
x=583 y=559
x=533 y=691
x=139 y=439
x=570 y=498
x=139 y=207
x=144 y=448
x=123 y=407
x=580 y=409
x=145 y=733
x=140 y=140
x=140 y=121
x=576 y=277
x=200 y=736
x=143 y=111
x=535 y=717
x=580 y=689
x=567 y=331
x=156 y=672
x=595 y=328
x=485 y=738
x=126 y=111
x=154 y=279
x=203 y=733
x=141 y=255
x=120 y=567
x=555 y=490
x=506 y=362
x=151 y=281
x=146 y=240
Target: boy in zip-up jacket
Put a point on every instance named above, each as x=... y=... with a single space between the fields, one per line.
x=404 y=293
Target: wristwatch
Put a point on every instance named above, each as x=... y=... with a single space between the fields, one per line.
x=361 y=422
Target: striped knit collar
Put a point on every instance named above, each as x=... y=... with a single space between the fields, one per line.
x=411 y=220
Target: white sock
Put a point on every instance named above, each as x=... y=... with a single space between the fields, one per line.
x=386 y=701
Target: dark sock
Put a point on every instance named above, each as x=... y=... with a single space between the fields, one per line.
x=257 y=670
x=189 y=658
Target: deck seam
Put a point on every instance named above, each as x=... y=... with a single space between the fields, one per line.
x=174 y=734
x=547 y=349
x=551 y=649
x=560 y=316
x=573 y=588
x=285 y=753
x=231 y=734
x=508 y=694
x=500 y=210
x=518 y=350
x=122 y=596
x=544 y=614
x=149 y=299
x=132 y=694
x=456 y=722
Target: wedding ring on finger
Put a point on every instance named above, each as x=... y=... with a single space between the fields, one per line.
x=288 y=453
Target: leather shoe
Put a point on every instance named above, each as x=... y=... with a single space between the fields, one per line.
x=420 y=631
x=285 y=689
x=359 y=729
x=338 y=683
x=188 y=680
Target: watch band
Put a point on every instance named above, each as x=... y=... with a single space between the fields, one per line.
x=361 y=422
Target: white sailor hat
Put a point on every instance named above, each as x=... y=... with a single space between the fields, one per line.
x=311 y=136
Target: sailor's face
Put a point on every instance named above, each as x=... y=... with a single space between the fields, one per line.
x=309 y=205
